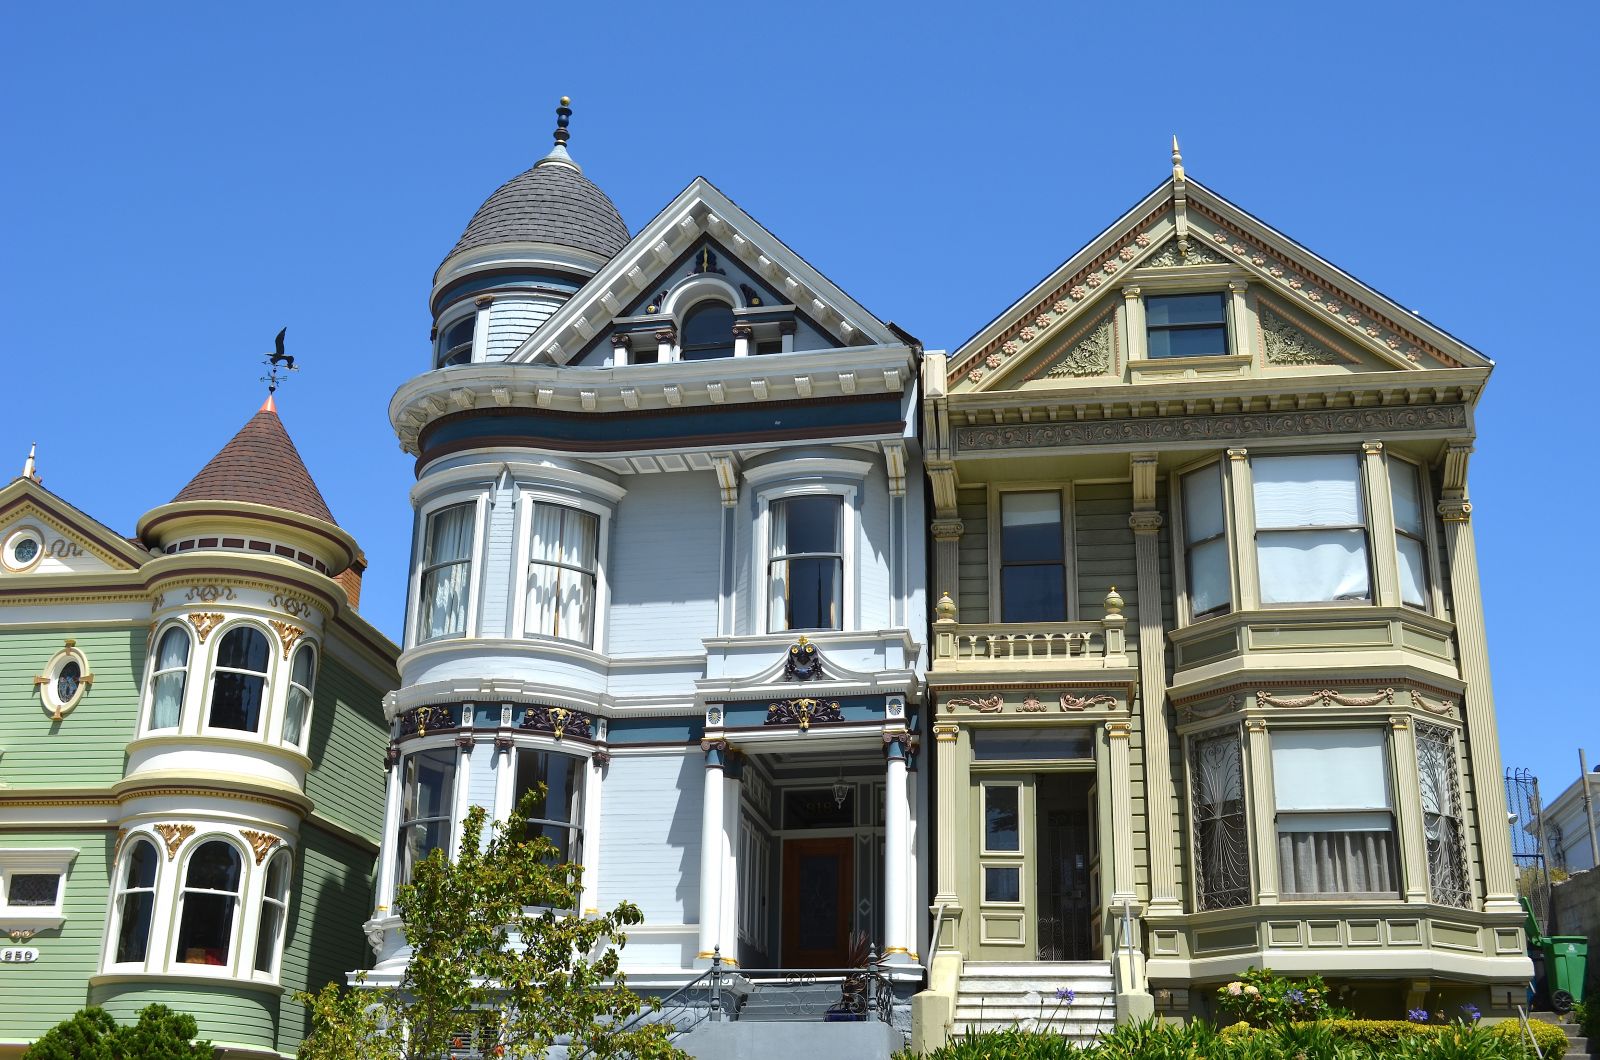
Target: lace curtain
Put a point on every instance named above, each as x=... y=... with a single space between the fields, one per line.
x=561 y=573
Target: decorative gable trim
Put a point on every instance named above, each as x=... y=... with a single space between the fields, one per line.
x=1285 y=343
x=29 y=501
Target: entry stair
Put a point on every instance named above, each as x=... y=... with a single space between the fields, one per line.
x=1578 y=1046
x=994 y=995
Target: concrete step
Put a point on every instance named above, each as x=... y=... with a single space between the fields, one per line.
x=995 y=995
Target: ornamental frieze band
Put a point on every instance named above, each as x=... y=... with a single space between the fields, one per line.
x=1227 y=427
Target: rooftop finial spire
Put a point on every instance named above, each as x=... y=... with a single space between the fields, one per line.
x=1177 y=160
x=28 y=465
x=274 y=361
x=558 y=154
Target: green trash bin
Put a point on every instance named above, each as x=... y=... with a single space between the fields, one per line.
x=1565 y=960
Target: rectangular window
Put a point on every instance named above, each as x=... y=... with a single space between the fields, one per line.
x=1311 y=529
x=1410 y=537
x=1205 y=542
x=1002 y=824
x=555 y=813
x=1221 y=841
x=1186 y=325
x=33 y=889
x=1033 y=569
x=562 y=556
x=805 y=571
x=1002 y=883
x=1335 y=814
x=1448 y=882
x=1001 y=745
x=446 y=572
x=427 y=801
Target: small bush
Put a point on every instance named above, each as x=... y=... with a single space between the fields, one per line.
x=1263 y=998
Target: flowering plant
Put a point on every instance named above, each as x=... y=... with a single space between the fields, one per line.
x=1263 y=999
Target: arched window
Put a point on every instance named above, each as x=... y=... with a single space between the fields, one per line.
x=456 y=346
x=168 y=678
x=239 y=685
x=707 y=332
x=210 y=896
x=274 y=911
x=301 y=677
x=136 y=900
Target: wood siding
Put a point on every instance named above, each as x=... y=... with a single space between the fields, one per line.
x=85 y=749
x=348 y=738
x=664 y=566
x=650 y=834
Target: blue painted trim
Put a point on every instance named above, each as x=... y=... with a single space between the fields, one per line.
x=752 y=713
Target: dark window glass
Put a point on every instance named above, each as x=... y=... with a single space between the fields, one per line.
x=998 y=745
x=34 y=888
x=1033 y=573
x=210 y=893
x=24 y=551
x=138 y=903
x=1001 y=828
x=707 y=332
x=806 y=573
x=67 y=682
x=456 y=346
x=556 y=813
x=427 y=792
x=1186 y=325
x=239 y=685
x=1002 y=883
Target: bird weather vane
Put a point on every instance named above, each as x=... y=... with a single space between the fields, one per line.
x=275 y=361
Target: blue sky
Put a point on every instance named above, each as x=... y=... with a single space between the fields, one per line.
x=181 y=180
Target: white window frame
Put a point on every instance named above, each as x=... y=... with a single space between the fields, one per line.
x=455 y=811
x=1392 y=793
x=289 y=684
x=29 y=861
x=527 y=495
x=147 y=713
x=479 y=318
x=1068 y=542
x=479 y=498
x=242 y=906
x=1183 y=609
x=156 y=941
x=270 y=974
x=1363 y=492
x=849 y=529
x=1430 y=535
x=269 y=679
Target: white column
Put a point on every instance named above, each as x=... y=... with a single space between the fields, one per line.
x=896 y=851
x=711 y=839
x=733 y=773
x=621 y=349
x=388 y=851
x=462 y=791
x=595 y=772
x=1241 y=497
x=505 y=778
x=666 y=338
x=742 y=334
x=1133 y=315
x=1119 y=734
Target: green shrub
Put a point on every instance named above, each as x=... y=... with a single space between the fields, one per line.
x=1262 y=998
x=1589 y=1019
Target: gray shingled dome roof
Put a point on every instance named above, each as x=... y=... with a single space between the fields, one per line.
x=551 y=203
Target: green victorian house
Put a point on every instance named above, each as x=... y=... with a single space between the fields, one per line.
x=1209 y=680
x=191 y=752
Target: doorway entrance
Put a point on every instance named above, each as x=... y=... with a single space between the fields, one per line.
x=818 y=889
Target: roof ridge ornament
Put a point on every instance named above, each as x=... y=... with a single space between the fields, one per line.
x=1177 y=160
x=274 y=361
x=558 y=154
x=1180 y=199
x=29 y=471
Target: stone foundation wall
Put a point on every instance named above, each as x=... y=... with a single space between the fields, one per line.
x=1575 y=906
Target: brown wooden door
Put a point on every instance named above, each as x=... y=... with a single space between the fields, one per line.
x=818 y=892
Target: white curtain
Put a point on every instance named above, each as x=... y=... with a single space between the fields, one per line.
x=1355 y=862
x=544 y=577
x=445 y=588
x=561 y=572
x=299 y=696
x=172 y=661
x=1409 y=532
x=1204 y=532
x=1295 y=498
x=778 y=578
x=1335 y=820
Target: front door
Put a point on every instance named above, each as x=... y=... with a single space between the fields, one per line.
x=818 y=882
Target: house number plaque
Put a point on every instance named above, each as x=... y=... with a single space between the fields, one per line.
x=18 y=955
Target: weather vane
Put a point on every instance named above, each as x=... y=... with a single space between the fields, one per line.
x=276 y=360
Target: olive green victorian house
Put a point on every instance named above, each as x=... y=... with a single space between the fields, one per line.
x=191 y=752
x=1209 y=674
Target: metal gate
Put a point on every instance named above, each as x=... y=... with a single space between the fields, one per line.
x=1528 y=842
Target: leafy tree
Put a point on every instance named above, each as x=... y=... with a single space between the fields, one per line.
x=498 y=963
x=91 y=1034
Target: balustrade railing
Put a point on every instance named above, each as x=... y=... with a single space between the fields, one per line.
x=1090 y=644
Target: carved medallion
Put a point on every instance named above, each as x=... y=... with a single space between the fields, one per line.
x=804 y=713
x=1170 y=256
x=558 y=722
x=803 y=663
x=174 y=835
x=420 y=719
x=1031 y=705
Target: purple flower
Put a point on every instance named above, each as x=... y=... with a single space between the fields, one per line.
x=1066 y=994
x=1470 y=1013
x=1296 y=997
x=1417 y=1015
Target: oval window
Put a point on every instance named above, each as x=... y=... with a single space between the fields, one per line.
x=68 y=681
x=23 y=550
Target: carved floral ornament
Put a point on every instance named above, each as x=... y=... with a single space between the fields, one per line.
x=204 y=622
x=1031 y=704
x=287 y=634
x=1325 y=697
x=173 y=836
x=260 y=842
x=804 y=713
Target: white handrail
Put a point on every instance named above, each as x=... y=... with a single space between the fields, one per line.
x=933 y=940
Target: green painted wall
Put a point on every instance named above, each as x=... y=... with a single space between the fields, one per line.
x=37 y=996
x=85 y=748
x=348 y=738
x=228 y=1014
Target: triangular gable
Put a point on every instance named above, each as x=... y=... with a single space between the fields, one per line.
x=699 y=216
x=1179 y=225
x=69 y=540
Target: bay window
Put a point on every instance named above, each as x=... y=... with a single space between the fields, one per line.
x=136 y=902
x=555 y=813
x=239 y=680
x=1410 y=535
x=1311 y=529
x=805 y=569
x=274 y=910
x=1033 y=569
x=427 y=799
x=562 y=557
x=301 y=676
x=207 y=904
x=1205 y=542
x=1335 y=813
x=168 y=678
x=1221 y=839
x=446 y=572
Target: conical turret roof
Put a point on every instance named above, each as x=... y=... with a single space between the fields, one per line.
x=260 y=465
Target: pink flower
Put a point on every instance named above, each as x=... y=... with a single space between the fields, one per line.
x=1009 y=346
x=1043 y=321
x=975 y=375
x=1235 y=989
x=1028 y=333
x=1063 y=306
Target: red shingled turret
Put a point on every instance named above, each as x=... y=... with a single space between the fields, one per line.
x=260 y=465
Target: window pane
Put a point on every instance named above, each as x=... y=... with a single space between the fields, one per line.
x=34 y=888
x=444 y=600
x=214 y=867
x=174 y=650
x=561 y=777
x=428 y=784
x=990 y=745
x=460 y=332
x=1335 y=862
x=580 y=538
x=1202 y=504
x=1208 y=577
x=1001 y=829
x=207 y=927
x=1002 y=883
x=1188 y=342
x=236 y=701
x=133 y=936
x=267 y=935
x=707 y=332
x=167 y=699
x=1330 y=769
x=1030 y=527
x=817 y=808
x=243 y=648
x=304 y=664
x=294 y=717
x=811 y=524
x=1035 y=593
x=1413 y=571
x=141 y=866
x=1407 y=494
x=813 y=592
x=449 y=535
x=1312 y=566
x=1166 y=309
x=1222 y=846
x=417 y=841
x=1321 y=489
